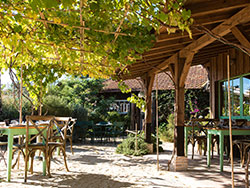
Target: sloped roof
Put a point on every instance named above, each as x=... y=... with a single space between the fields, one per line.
x=216 y=17
x=196 y=79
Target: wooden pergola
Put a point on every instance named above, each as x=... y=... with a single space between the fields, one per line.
x=219 y=27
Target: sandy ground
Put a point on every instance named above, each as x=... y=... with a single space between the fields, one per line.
x=98 y=166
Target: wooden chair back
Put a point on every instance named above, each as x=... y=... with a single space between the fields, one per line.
x=42 y=124
x=60 y=127
x=71 y=125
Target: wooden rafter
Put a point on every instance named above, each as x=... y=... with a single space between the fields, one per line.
x=167 y=49
x=170 y=43
x=185 y=70
x=203 y=8
x=166 y=37
x=118 y=29
x=221 y=30
x=78 y=27
x=210 y=19
x=241 y=38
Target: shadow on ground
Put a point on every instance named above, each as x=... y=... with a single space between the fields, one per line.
x=79 y=180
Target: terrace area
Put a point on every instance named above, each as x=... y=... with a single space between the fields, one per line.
x=95 y=166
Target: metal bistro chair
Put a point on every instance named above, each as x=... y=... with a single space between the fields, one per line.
x=82 y=130
x=43 y=130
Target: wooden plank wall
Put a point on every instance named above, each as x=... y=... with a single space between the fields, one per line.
x=239 y=64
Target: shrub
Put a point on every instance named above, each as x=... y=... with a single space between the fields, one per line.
x=9 y=110
x=114 y=116
x=54 y=105
x=166 y=130
x=127 y=147
x=80 y=113
x=166 y=103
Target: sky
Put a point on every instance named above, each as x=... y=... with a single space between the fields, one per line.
x=5 y=78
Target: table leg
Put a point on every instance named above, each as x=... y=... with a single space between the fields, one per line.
x=10 y=146
x=44 y=161
x=221 y=138
x=58 y=149
x=186 y=140
x=44 y=165
x=209 y=139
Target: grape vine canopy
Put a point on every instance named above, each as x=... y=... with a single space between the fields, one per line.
x=81 y=37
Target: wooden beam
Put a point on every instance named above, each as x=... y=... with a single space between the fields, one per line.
x=170 y=43
x=209 y=7
x=157 y=57
x=167 y=49
x=164 y=64
x=142 y=63
x=221 y=30
x=241 y=38
x=173 y=36
x=172 y=70
x=186 y=68
x=211 y=18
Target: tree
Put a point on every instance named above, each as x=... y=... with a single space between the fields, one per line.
x=86 y=36
x=81 y=37
x=78 y=97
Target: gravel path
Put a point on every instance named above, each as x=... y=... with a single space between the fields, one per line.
x=98 y=166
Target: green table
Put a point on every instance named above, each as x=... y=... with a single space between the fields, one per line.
x=11 y=132
x=221 y=133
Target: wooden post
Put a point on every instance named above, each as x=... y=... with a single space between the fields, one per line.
x=20 y=97
x=148 y=84
x=246 y=171
x=138 y=118
x=157 y=123
x=179 y=110
x=0 y=93
x=136 y=138
x=133 y=116
x=20 y=138
x=180 y=71
x=230 y=121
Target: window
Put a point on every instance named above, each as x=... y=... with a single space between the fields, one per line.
x=246 y=95
x=240 y=97
x=121 y=106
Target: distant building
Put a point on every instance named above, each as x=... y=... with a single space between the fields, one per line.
x=197 y=78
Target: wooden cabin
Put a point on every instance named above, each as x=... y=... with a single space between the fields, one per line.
x=220 y=28
x=197 y=79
